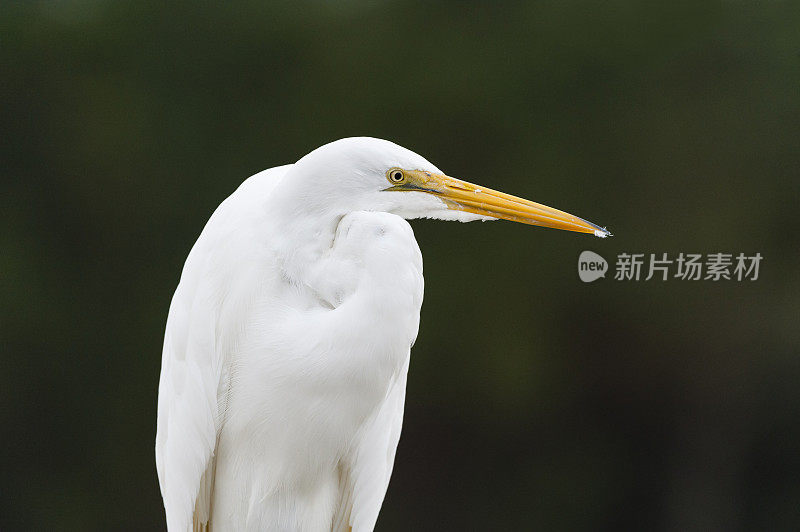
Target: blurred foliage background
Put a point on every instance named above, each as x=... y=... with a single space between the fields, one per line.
x=535 y=401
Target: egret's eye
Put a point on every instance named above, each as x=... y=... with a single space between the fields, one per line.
x=396 y=176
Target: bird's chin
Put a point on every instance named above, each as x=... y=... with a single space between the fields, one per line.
x=450 y=216
x=413 y=205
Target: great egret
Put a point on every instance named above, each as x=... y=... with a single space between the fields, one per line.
x=288 y=338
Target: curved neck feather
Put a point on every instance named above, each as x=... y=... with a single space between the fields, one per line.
x=303 y=228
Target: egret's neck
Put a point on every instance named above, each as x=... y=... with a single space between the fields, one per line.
x=304 y=230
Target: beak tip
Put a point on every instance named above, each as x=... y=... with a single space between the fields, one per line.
x=602 y=233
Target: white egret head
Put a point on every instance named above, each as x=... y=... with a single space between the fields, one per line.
x=369 y=174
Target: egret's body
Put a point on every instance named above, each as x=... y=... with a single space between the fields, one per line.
x=288 y=339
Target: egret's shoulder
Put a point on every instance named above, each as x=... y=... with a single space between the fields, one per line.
x=235 y=224
x=260 y=185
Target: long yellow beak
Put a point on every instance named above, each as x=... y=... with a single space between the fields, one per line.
x=468 y=197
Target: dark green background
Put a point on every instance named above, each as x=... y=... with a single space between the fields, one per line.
x=534 y=400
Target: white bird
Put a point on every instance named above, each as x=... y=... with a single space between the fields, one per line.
x=288 y=338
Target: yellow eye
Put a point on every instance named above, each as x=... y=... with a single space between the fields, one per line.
x=396 y=176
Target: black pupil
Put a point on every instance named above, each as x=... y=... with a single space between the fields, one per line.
x=397 y=176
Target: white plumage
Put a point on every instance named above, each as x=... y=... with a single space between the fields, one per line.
x=287 y=343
